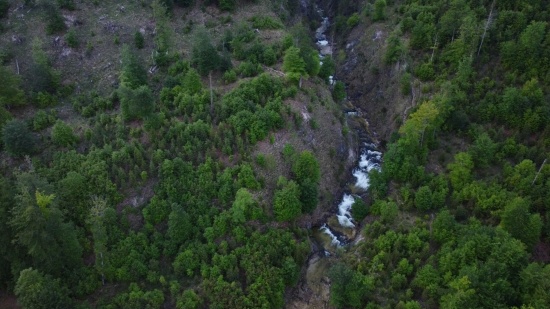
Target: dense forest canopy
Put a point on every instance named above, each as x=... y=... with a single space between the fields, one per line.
x=174 y=154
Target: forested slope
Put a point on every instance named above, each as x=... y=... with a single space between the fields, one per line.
x=158 y=154
x=460 y=212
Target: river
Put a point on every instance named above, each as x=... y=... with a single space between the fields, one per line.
x=340 y=228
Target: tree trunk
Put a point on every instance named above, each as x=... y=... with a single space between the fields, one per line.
x=211 y=95
x=489 y=19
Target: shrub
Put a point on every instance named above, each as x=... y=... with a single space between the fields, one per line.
x=4 y=7
x=72 y=38
x=66 y=4
x=265 y=22
x=136 y=103
x=55 y=21
x=229 y=76
x=17 y=138
x=406 y=84
x=353 y=20
x=359 y=210
x=425 y=71
x=339 y=91
x=269 y=57
x=42 y=120
x=62 y=134
x=139 y=40
x=227 y=5
x=379 y=10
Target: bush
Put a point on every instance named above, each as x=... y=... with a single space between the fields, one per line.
x=44 y=99
x=62 y=134
x=17 y=138
x=339 y=92
x=72 y=38
x=353 y=20
x=269 y=57
x=265 y=22
x=139 y=40
x=66 y=4
x=248 y=69
x=359 y=210
x=229 y=76
x=55 y=21
x=379 y=10
x=42 y=120
x=4 y=7
x=136 y=103
x=406 y=84
x=227 y=5
x=426 y=71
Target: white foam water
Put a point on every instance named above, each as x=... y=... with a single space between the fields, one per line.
x=344 y=211
x=369 y=160
x=334 y=239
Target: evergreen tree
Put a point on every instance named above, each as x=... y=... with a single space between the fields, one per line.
x=17 y=138
x=40 y=230
x=204 y=55
x=62 y=134
x=293 y=64
x=10 y=92
x=133 y=73
x=286 y=203
x=136 y=103
x=34 y=290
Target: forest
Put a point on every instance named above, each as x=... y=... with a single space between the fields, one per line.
x=176 y=153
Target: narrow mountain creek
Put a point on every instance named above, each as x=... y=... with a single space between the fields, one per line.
x=339 y=229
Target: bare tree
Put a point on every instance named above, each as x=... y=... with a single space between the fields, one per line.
x=487 y=24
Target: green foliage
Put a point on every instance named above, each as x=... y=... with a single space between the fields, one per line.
x=204 y=56
x=227 y=5
x=133 y=73
x=306 y=167
x=423 y=198
x=423 y=32
x=54 y=21
x=286 y=202
x=41 y=76
x=34 y=290
x=405 y=83
x=425 y=72
x=139 y=40
x=309 y=195
x=10 y=92
x=17 y=139
x=229 y=76
x=483 y=150
x=339 y=91
x=353 y=20
x=72 y=38
x=293 y=64
x=62 y=134
x=327 y=69
x=136 y=103
x=4 y=8
x=348 y=288
x=265 y=22
x=66 y=4
x=359 y=210
x=40 y=230
x=379 y=10
x=388 y=211
x=522 y=225
x=395 y=49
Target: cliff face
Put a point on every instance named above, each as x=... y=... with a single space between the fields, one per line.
x=372 y=86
